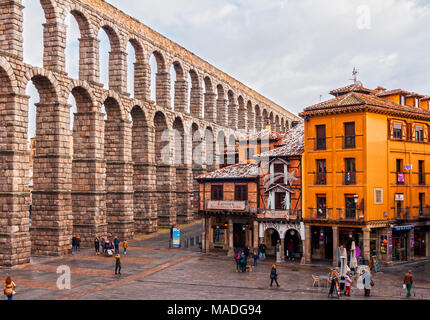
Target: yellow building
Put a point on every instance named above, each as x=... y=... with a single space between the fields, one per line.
x=367 y=154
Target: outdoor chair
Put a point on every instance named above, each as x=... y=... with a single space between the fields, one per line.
x=316 y=281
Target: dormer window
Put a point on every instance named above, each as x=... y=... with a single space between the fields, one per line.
x=417 y=103
x=397 y=130
x=402 y=100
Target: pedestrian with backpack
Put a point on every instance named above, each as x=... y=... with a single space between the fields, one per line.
x=9 y=288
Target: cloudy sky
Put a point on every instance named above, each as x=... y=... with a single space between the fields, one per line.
x=292 y=51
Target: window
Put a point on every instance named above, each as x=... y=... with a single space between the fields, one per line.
x=321 y=138
x=379 y=196
x=350 y=207
x=397 y=130
x=278 y=168
x=279 y=200
x=250 y=152
x=399 y=171
x=241 y=193
x=422 y=197
x=321 y=206
x=419 y=133
x=321 y=177
x=349 y=141
x=219 y=235
x=402 y=100
x=350 y=172
x=421 y=174
x=217 y=193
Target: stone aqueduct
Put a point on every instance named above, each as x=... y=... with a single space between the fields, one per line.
x=115 y=182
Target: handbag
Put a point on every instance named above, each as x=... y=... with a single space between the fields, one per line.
x=372 y=283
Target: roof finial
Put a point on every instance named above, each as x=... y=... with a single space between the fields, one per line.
x=355 y=72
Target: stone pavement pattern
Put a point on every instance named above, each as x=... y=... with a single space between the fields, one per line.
x=152 y=271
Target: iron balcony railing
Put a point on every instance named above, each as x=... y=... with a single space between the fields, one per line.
x=349 y=142
x=401 y=213
x=349 y=178
x=350 y=214
x=320 y=213
x=321 y=178
x=320 y=144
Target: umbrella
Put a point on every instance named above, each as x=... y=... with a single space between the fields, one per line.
x=353 y=259
x=343 y=260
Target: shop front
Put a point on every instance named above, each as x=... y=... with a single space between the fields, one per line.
x=421 y=237
x=403 y=242
x=284 y=233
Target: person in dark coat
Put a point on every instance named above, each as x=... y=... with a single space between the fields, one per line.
x=262 y=248
x=246 y=255
x=273 y=276
x=103 y=244
x=118 y=264
x=74 y=244
x=334 y=280
x=78 y=242
x=97 y=246
x=255 y=256
x=116 y=243
x=243 y=263
x=290 y=248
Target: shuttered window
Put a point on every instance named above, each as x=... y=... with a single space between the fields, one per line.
x=379 y=199
x=217 y=193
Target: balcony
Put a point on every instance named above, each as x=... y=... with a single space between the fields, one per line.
x=349 y=178
x=349 y=142
x=350 y=214
x=401 y=214
x=320 y=214
x=321 y=178
x=290 y=214
x=320 y=144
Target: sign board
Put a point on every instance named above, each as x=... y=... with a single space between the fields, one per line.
x=226 y=205
x=404 y=227
x=390 y=244
x=274 y=214
x=408 y=167
x=400 y=197
x=176 y=241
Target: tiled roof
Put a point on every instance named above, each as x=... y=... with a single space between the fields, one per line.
x=355 y=87
x=355 y=101
x=391 y=92
x=265 y=134
x=242 y=170
x=292 y=145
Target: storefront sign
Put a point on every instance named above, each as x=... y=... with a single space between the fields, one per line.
x=390 y=244
x=226 y=205
x=274 y=214
x=176 y=238
x=403 y=227
x=412 y=239
x=400 y=197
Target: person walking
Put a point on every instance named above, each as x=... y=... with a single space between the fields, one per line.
x=290 y=248
x=262 y=247
x=273 y=276
x=125 y=246
x=97 y=246
x=348 y=282
x=9 y=288
x=78 y=242
x=367 y=282
x=255 y=256
x=74 y=244
x=237 y=259
x=408 y=281
x=118 y=264
x=116 y=243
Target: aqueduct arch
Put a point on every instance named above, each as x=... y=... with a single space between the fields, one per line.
x=111 y=181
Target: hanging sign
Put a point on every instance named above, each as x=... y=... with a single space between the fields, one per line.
x=404 y=227
x=400 y=197
x=408 y=167
x=400 y=177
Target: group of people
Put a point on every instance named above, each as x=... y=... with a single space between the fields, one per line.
x=109 y=247
x=241 y=259
x=348 y=281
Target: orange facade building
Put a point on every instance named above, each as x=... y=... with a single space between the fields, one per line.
x=367 y=155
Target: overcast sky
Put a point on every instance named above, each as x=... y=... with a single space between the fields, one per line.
x=291 y=51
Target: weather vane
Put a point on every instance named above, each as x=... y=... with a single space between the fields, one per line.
x=355 y=72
